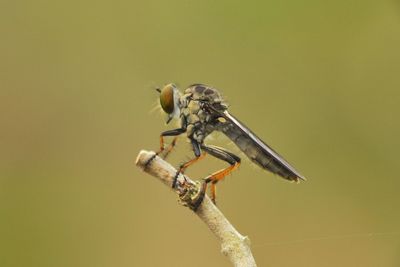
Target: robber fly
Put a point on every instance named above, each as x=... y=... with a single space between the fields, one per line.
x=201 y=111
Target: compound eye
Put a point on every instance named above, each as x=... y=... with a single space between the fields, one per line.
x=167 y=98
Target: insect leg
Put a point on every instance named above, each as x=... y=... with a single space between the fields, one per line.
x=185 y=165
x=213 y=190
x=174 y=132
x=224 y=155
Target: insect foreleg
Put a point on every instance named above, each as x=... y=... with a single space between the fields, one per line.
x=174 y=132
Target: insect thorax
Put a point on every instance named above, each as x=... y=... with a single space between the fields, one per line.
x=200 y=122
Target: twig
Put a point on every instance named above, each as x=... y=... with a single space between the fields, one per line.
x=233 y=244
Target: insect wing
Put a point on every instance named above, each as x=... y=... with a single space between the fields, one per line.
x=257 y=150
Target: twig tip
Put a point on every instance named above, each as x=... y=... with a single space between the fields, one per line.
x=143 y=157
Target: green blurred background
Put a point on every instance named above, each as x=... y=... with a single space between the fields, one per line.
x=317 y=80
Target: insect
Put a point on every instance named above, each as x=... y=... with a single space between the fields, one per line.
x=201 y=111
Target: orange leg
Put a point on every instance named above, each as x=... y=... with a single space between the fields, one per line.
x=169 y=148
x=218 y=176
x=175 y=133
x=184 y=166
x=213 y=191
x=214 y=178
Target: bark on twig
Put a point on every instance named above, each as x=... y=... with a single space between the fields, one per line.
x=233 y=244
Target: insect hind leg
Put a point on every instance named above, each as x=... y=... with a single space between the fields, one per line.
x=214 y=178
